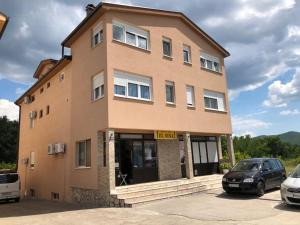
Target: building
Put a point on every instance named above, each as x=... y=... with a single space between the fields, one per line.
x=3 y=23
x=142 y=98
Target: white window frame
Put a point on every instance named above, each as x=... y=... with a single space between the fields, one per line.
x=192 y=95
x=85 y=151
x=169 y=40
x=188 y=49
x=32 y=160
x=221 y=102
x=170 y=83
x=97 y=30
x=123 y=79
x=137 y=32
x=99 y=78
x=213 y=59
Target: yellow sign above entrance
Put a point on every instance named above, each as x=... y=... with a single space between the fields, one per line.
x=160 y=135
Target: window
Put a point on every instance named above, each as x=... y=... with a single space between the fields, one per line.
x=118 y=32
x=167 y=47
x=41 y=90
x=97 y=35
x=54 y=196
x=83 y=153
x=48 y=110
x=48 y=84
x=214 y=100
x=98 y=86
x=32 y=98
x=130 y=35
x=190 y=96
x=61 y=77
x=41 y=113
x=210 y=62
x=170 y=92
x=32 y=159
x=187 y=54
x=132 y=86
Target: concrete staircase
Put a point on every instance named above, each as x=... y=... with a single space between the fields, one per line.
x=134 y=195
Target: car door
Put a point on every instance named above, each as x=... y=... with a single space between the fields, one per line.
x=267 y=174
x=277 y=174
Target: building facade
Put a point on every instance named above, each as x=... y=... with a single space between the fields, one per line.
x=3 y=23
x=142 y=98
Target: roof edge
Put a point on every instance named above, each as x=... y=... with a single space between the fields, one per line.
x=177 y=13
x=5 y=24
x=63 y=59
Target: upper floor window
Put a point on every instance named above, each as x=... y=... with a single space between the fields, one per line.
x=170 y=92
x=190 y=96
x=131 y=35
x=41 y=90
x=214 y=100
x=41 y=113
x=210 y=62
x=132 y=86
x=167 y=47
x=97 y=35
x=98 y=86
x=187 y=54
x=83 y=153
x=48 y=84
x=48 y=110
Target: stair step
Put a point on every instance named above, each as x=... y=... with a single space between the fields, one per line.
x=156 y=191
x=151 y=198
x=164 y=184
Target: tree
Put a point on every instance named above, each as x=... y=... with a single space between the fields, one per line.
x=8 y=140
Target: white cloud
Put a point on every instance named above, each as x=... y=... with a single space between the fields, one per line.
x=290 y=112
x=9 y=109
x=293 y=31
x=20 y=91
x=245 y=125
x=280 y=94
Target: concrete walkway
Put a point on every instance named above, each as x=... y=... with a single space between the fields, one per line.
x=212 y=208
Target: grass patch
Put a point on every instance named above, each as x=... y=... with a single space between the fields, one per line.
x=290 y=164
x=10 y=166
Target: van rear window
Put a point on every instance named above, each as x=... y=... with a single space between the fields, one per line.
x=8 y=178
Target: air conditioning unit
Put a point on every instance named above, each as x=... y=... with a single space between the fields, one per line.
x=27 y=100
x=51 y=149
x=59 y=148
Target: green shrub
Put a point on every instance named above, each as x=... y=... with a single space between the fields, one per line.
x=11 y=166
x=225 y=165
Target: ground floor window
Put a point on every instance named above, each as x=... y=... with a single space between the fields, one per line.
x=83 y=153
x=135 y=158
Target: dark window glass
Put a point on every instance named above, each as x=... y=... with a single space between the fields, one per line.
x=150 y=153
x=137 y=154
x=209 y=64
x=211 y=103
x=170 y=93
x=120 y=90
x=202 y=62
x=217 y=66
x=142 y=42
x=96 y=92
x=8 y=178
x=48 y=110
x=48 y=84
x=96 y=39
x=267 y=165
x=167 y=48
x=132 y=90
x=41 y=90
x=130 y=38
x=41 y=113
x=118 y=33
x=246 y=165
x=145 y=92
x=186 y=56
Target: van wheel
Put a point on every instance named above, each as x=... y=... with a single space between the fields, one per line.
x=260 y=189
x=17 y=199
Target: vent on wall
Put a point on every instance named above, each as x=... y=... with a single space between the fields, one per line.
x=54 y=196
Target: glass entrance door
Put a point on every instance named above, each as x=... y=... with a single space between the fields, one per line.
x=137 y=159
x=205 y=156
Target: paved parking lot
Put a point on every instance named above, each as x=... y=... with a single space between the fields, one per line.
x=210 y=208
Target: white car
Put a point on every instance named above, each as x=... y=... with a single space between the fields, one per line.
x=9 y=187
x=290 y=188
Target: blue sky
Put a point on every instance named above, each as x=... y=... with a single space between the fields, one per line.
x=263 y=38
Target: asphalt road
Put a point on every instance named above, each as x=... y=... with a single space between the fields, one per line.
x=212 y=208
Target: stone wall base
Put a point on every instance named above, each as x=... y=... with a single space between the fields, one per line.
x=95 y=198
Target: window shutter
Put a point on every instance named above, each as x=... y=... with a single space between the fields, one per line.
x=98 y=80
x=190 y=95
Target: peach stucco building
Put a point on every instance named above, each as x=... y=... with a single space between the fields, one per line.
x=142 y=98
x=3 y=23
